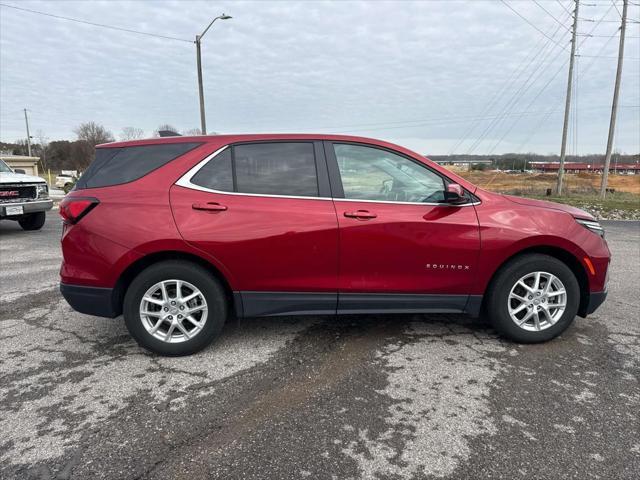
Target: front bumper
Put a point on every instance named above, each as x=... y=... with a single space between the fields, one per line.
x=27 y=207
x=90 y=300
x=595 y=300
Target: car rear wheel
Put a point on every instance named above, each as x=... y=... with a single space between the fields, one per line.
x=33 y=221
x=175 y=308
x=534 y=298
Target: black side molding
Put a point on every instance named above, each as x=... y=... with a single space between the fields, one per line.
x=400 y=303
x=265 y=304
x=90 y=300
x=260 y=304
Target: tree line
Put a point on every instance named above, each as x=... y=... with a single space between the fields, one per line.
x=522 y=161
x=78 y=154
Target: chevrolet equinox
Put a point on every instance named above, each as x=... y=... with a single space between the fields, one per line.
x=177 y=234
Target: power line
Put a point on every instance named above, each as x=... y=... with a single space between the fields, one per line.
x=564 y=8
x=513 y=101
x=552 y=16
x=629 y=20
x=515 y=75
x=608 y=56
x=582 y=73
x=101 y=25
x=617 y=9
x=550 y=80
x=602 y=36
x=533 y=25
x=456 y=119
x=530 y=81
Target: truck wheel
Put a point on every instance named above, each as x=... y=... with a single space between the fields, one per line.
x=533 y=298
x=175 y=308
x=67 y=187
x=33 y=221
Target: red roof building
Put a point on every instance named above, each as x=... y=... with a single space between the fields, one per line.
x=578 y=167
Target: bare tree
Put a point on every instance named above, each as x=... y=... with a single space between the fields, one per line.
x=165 y=127
x=93 y=133
x=81 y=154
x=89 y=135
x=131 y=133
x=192 y=132
x=44 y=143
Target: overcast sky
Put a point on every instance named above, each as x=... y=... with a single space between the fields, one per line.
x=422 y=74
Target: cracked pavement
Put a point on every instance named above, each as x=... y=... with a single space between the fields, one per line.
x=381 y=396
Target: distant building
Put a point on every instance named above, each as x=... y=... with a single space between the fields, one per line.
x=578 y=167
x=460 y=162
x=23 y=162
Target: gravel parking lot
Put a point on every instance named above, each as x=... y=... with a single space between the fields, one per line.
x=325 y=397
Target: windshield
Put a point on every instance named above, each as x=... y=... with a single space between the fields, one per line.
x=4 y=168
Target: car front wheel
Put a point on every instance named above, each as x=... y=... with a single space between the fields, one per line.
x=534 y=298
x=175 y=308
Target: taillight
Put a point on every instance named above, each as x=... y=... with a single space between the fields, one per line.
x=72 y=209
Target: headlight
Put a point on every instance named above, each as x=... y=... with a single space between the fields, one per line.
x=592 y=225
x=43 y=190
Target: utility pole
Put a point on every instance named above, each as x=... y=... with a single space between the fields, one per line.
x=567 y=105
x=26 y=121
x=614 y=105
x=203 y=121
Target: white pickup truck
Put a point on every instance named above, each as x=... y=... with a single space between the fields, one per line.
x=23 y=198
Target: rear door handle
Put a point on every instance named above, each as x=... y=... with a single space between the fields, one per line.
x=209 y=207
x=361 y=214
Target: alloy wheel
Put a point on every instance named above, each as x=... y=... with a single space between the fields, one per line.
x=173 y=311
x=537 y=301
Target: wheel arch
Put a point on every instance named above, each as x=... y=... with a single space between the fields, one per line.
x=566 y=257
x=127 y=276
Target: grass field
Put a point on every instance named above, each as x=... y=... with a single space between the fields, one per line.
x=581 y=190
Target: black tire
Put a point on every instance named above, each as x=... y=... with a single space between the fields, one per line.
x=497 y=306
x=33 y=221
x=196 y=275
x=68 y=187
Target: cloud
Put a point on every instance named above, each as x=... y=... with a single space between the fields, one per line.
x=314 y=66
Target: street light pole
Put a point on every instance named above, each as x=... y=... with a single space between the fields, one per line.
x=203 y=121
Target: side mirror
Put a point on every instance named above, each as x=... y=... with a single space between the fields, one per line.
x=19 y=170
x=454 y=195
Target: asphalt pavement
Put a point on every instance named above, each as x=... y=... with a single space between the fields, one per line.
x=388 y=397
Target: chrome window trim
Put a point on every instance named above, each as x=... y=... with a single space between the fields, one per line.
x=405 y=203
x=185 y=181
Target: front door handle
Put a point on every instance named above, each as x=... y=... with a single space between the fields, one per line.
x=361 y=214
x=209 y=207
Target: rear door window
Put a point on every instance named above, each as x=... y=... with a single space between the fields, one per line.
x=217 y=173
x=113 y=166
x=273 y=168
x=276 y=169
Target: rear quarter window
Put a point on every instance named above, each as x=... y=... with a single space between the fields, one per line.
x=113 y=166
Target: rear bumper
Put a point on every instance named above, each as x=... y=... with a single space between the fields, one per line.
x=595 y=300
x=90 y=300
x=27 y=207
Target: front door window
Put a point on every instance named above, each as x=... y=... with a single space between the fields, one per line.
x=374 y=174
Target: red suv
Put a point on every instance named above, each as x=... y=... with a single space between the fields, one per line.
x=180 y=233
